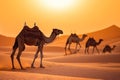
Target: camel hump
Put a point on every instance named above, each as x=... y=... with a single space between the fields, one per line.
x=34 y=29
x=107 y=46
x=91 y=39
x=32 y=32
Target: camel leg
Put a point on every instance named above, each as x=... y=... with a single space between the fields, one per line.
x=41 y=56
x=15 y=46
x=76 y=48
x=12 y=57
x=36 y=55
x=85 y=50
x=79 y=46
x=93 y=50
x=18 y=58
x=21 y=48
x=97 y=50
x=88 y=50
x=65 y=49
x=69 y=48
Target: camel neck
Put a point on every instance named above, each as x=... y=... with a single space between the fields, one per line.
x=51 y=38
x=99 y=42
x=113 y=48
x=83 y=37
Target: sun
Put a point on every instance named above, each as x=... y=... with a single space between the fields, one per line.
x=58 y=4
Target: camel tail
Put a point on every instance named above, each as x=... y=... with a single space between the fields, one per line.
x=15 y=46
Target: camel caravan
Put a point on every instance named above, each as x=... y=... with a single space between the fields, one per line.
x=35 y=37
x=91 y=42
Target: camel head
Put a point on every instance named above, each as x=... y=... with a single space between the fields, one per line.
x=57 y=31
x=114 y=46
x=100 y=40
x=84 y=35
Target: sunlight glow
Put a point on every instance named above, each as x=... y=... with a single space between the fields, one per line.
x=58 y=4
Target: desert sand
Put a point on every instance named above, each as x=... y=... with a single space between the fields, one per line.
x=57 y=66
x=77 y=66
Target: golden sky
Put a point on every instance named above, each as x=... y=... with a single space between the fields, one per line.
x=72 y=16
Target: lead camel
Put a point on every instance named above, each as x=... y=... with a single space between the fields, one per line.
x=32 y=36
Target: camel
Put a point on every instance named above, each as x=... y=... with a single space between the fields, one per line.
x=107 y=48
x=32 y=37
x=93 y=43
x=73 y=38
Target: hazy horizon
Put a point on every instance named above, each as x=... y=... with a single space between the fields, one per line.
x=69 y=33
x=72 y=16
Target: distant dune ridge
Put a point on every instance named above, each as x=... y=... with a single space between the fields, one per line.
x=108 y=33
x=6 y=41
x=112 y=32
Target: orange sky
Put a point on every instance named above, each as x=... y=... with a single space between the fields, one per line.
x=81 y=17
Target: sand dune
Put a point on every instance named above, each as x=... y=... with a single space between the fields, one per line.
x=6 y=41
x=81 y=58
x=30 y=76
x=59 y=67
x=108 y=34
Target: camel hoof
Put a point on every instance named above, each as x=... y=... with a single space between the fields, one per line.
x=13 y=68
x=23 y=69
x=65 y=55
x=42 y=67
x=74 y=52
x=32 y=67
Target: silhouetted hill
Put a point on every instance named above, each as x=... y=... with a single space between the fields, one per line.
x=6 y=41
x=110 y=33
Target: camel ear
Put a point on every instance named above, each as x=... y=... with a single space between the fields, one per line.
x=54 y=29
x=25 y=24
x=75 y=34
x=34 y=23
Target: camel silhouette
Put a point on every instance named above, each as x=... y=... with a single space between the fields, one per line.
x=93 y=43
x=109 y=49
x=74 y=38
x=32 y=36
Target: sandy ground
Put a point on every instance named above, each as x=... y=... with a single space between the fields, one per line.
x=59 y=67
x=78 y=66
